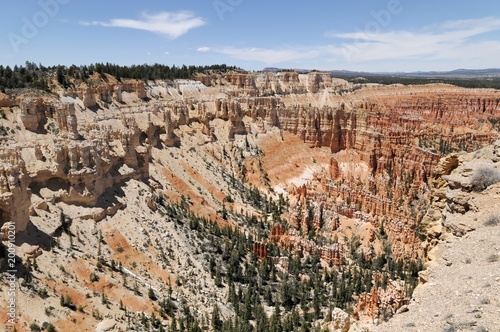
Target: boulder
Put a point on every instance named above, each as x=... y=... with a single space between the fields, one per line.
x=340 y=321
x=106 y=325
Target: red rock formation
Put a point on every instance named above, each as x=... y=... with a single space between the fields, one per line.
x=335 y=221
x=334 y=169
x=400 y=138
x=332 y=254
x=260 y=249
x=277 y=232
x=368 y=304
x=381 y=303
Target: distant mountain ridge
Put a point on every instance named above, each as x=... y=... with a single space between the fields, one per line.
x=458 y=73
x=489 y=72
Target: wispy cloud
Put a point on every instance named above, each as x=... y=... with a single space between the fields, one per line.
x=170 y=24
x=270 y=56
x=203 y=49
x=447 y=40
x=484 y=24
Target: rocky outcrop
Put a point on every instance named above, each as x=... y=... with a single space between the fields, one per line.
x=331 y=254
x=14 y=192
x=42 y=114
x=318 y=81
x=382 y=303
x=108 y=93
x=70 y=170
x=267 y=84
x=392 y=138
x=461 y=241
x=106 y=325
x=340 y=321
x=451 y=186
x=31 y=113
x=6 y=101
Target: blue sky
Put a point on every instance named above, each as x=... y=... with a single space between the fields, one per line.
x=368 y=35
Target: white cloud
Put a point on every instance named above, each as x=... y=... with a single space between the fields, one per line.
x=452 y=40
x=203 y=49
x=170 y=24
x=486 y=24
x=271 y=56
x=166 y=53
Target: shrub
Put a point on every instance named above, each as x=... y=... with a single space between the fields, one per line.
x=94 y=277
x=485 y=300
x=50 y=328
x=151 y=294
x=492 y=220
x=35 y=327
x=492 y=258
x=484 y=177
x=43 y=293
x=66 y=301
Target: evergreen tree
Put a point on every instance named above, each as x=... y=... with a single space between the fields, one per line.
x=275 y=321
x=261 y=322
x=216 y=320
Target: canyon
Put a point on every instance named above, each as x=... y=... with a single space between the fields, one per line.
x=116 y=172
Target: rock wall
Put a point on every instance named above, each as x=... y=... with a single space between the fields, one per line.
x=14 y=192
x=60 y=165
x=108 y=93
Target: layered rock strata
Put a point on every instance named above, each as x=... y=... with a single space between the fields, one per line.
x=395 y=132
